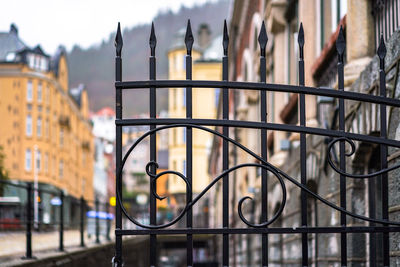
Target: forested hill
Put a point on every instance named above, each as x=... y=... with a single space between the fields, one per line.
x=94 y=66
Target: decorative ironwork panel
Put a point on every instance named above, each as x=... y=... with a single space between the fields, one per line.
x=339 y=138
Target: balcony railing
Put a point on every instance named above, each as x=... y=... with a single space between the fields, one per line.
x=386 y=18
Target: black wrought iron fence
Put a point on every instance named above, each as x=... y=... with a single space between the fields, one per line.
x=338 y=136
x=90 y=214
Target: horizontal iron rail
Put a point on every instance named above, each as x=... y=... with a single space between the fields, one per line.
x=260 y=86
x=270 y=230
x=258 y=125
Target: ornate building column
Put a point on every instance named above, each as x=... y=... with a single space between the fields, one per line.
x=360 y=43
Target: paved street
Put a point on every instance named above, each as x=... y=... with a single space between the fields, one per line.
x=13 y=244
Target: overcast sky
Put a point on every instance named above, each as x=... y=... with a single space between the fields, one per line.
x=84 y=22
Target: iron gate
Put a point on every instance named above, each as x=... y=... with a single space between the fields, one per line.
x=339 y=137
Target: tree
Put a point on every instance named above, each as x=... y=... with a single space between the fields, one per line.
x=3 y=171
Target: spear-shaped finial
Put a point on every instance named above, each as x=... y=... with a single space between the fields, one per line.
x=340 y=44
x=382 y=52
x=300 y=40
x=263 y=39
x=118 y=41
x=225 y=40
x=152 y=41
x=189 y=38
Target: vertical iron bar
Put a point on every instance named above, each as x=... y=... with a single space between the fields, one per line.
x=316 y=234
x=82 y=222
x=263 y=39
x=189 y=144
x=118 y=153
x=397 y=13
x=97 y=221
x=108 y=220
x=383 y=150
x=61 y=245
x=376 y=28
x=153 y=148
x=225 y=151
x=372 y=212
x=340 y=46
x=303 y=149
x=29 y=207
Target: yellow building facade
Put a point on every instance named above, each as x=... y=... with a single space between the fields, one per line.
x=45 y=131
x=206 y=66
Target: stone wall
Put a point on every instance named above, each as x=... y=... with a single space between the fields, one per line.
x=134 y=254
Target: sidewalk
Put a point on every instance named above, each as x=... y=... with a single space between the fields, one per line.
x=13 y=244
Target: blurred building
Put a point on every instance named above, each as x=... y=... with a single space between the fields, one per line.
x=45 y=130
x=206 y=56
x=363 y=21
x=103 y=122
x=136 y=182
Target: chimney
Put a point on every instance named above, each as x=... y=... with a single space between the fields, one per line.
x=204 y=35
x=13 y=29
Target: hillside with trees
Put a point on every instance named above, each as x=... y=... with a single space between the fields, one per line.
x=94 y=66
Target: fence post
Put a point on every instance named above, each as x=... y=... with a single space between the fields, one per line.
x=61 y=246
x=82 y=221
x=108 y=221
x=29 y=223
x=97 y=221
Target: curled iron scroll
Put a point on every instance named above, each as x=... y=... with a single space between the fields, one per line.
x=264 y=164
x=349 y=154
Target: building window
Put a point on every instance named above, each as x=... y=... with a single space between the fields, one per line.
x=48 y=94
x=339 y=9
x=39 y=92
x=184 y=135
x=31 y=59
x=184 y=167
x=174 y=100
x=46 y=162
x=28 y=159
x=174 y=165
x=54 y=166
x=38 y=160
x=61 y=169
x=217 y=93
x=177 y=62
x=47 y=128
x=28 y=125
x=43 y=64
x=29 y=91
x=39 y=127
x=184 y=97
x=321 y=24
x=174 y=138
x=83 y=185
x=61 y=137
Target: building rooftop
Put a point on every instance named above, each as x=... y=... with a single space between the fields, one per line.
x=10 y=43
x=76 y=93
x=214 y=50
x=106 y=111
